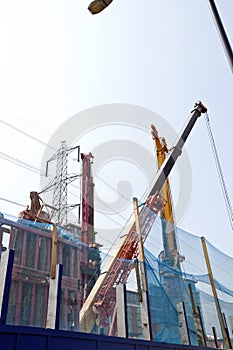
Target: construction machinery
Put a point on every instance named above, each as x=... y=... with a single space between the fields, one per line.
x=101 y=301
x=90 y=258
x=170 y=258
x=170 y=255
x=35 y=211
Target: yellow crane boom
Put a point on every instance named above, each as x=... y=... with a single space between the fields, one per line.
x=170 y=253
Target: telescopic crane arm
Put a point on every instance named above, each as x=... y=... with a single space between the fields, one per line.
x=170 y=253
x=101 y=299
x=168 y=164
x=161 y=152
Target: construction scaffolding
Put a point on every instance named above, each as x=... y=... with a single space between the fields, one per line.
x=28 y=298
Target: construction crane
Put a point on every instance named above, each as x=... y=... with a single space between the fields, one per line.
x=100 y=303
x=170 y=253
x=90 y=259
x=170 y=256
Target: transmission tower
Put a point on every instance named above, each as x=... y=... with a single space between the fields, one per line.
x=60 y=183
x=60 y=186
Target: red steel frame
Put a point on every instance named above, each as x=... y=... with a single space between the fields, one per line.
x=124 y=262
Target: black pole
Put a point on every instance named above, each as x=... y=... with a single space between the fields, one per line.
x=169 y=162
x=215 y=337
x=227 y=331
x=222 y=33
x=202 y=325
x=7 y=287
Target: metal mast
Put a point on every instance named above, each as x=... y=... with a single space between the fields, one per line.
x=88 y=235
x=87 y=200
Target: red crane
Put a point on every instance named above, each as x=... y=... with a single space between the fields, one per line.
x=101 y=299
x=124 y=262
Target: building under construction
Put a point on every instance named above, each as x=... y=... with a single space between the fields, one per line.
x=53 y=276
x=32 y=239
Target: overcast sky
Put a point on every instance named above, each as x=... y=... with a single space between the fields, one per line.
x=57 y=61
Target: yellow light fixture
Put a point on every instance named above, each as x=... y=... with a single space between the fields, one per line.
x=97 y=6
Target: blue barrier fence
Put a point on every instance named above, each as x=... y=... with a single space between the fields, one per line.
x=25 y=338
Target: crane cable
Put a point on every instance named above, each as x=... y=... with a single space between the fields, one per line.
x=220 y=172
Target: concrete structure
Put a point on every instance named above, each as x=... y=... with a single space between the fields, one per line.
x=31 y=274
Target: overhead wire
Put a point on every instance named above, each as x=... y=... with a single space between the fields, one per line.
x=38 y=171
x=17 y=161
x=109 y=207
x=12 y=202
x=34 y=138
x=110 y=218
x=34 y=169
x=20 y=163
x=30 y=167
x=26 y=121
x=25 y=133
x=220 y=171
x=110 y=186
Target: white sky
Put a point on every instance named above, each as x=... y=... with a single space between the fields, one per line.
x=58 y=60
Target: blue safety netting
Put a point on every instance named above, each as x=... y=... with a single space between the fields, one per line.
x=169 y=280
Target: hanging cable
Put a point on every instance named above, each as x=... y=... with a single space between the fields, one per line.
x=20 y=163
x=25 y=133
x=220 y=172
x=12 y=202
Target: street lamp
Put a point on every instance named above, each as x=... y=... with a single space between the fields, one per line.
x=97 y=6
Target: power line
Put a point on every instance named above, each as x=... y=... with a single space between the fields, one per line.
x=34 y=138
x=53 y=148
x=24 y=133
x=12 y=202
x=108 y=217
x=26 y=121
x=29 y=167
x=110 y=186
x=20 y=163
